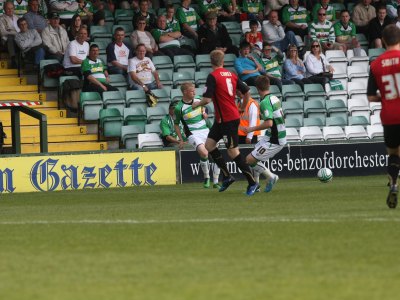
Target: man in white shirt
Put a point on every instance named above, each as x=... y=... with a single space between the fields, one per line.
x=8 y=29
x=77 y=51
x=273 y=33
x=141 y=71
x=118 y=54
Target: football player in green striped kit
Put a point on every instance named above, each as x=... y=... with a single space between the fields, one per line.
x=196 y=130
x=275 y=135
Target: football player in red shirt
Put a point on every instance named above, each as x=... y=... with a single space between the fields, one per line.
x=385 y=77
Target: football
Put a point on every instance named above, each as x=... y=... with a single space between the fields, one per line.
x=325 y=175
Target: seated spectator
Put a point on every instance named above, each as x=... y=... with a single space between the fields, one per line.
x=375 y=27
x=141 y=71
x=253 y=9
x=55 y=38
x=34 y=19
x=392 y=7
x=189 y=19
x=140 y=36
x=20 y=7
x=323 y=31
x=329 y=10
x=254 y=37
x=225 y=9
x=246 y=66
x=296 y=18
x=118 y=53
x=213 y=35
x=172 y=21
x=66 y=9
x=167 y=127
x=275 y=34
x=99 y=15
x=345 y=32
x=85 y=11
x=293 y=67
x=95 y=73
x=76 y=24
x=276 y=5
x=8 y=30
x=144 y=12
x=77 y=51
x=250 y=117
x=318 y=69
x=29 y=41
x=168 y=40
x=272 y=65
x=363 y=12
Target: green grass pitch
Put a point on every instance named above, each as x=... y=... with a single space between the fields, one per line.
x=304 y=240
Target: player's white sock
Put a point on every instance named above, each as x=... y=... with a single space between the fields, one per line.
x=260 y=168
x=216 y=171
x=205 y=167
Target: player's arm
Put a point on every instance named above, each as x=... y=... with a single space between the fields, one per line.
x=208 y=94
x=372 y=88
x=179 y=134
x=264 y=125
x=245 y=90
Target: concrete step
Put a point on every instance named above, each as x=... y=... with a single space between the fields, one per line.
x=29 y=121
x=5 y=114
x=65 y=147
x=55 y=139
x=16 y=96
x=18 y=88
x=13 y=81
x=52 y=130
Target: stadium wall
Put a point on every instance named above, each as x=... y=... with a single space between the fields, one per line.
x=347 y=159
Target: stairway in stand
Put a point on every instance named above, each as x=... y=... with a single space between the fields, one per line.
x=64 y=135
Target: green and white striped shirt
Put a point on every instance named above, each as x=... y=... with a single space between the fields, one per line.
x=299 y=16
x=323 y=32
x=192 y=119
x=21 y=8
x=252 y=6
x=329 y=10
x=271 y=109
x=349 y=31
x=94 y=68
x=188 y=16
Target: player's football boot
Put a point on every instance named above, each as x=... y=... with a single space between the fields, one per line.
x=391 y=200
x=251 y=189
x=226 y=183
x=271 y=182
x=206 y=183
x=216 y=186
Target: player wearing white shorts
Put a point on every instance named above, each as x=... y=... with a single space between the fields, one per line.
x=196 y=130
x=275 y=134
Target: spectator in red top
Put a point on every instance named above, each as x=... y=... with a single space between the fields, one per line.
x=254 y=37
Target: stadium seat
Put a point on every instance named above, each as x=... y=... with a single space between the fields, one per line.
x=311 y=133
x=375 y=131
x=202 y=61
x=114 y=99
x=182 y=76
x=163 y=96
x=149 y=140
x=314 y=106
x=165 y=76
x=362 y=61
x=333 y=133
x=210 y=110
x=229 y=61
x=314 y=90
x=184 y=62
x=162 y=62
x=152 y=128
x=175 y=94
x=135 y=116
x=236 y=38
x=375 y=107
x=254 y=93
x=290 y=91
x=43 y=79
x=358 y=73
x=274 y=90
x=111 y=122
x=335 y=105
x=90 y=104
x=340 y=71
x=129 y=135
x=358 y=120
x=293 y=121
x=233 y=27
x=118 y=80
x=292 y=135
x=123 y=15
x=355 y=132
x=337 y=94
x=188 y=43
x=294 y=106
x=200 y=77
x=336 y=57
x=136 y=98
x=60 y=87
x=314 y=121
x=100 y=32
x=336 y=121
x=362 y=39
x=373 y=53
x=375 y=119
x=108 y=16
x=357 y=104
x=356 y=88
x=155 y=114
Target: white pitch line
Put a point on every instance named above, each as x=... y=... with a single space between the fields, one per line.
x=215 y=220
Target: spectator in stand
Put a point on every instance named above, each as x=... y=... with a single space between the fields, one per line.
x=254 y=37
x=318 y=69
x=329 y=10
x=214 y=36
x=29 y=41
x=376 y=26
x=85 y=11
x=276 y=5
x=167 y=127
x=34 y=19
x=296 y=18
x=144 y=12
x=225 y=9
x=345 y=32
x=99 y=15
x=95 y=73
x=8 y=29
x=397 y=21
x=140 y=36
x=294 y=68
x=55 y=38
x=189 y=19
x=273 y=33
x=254 y=9
x=168 y=40
x=272 y=65
x=246 y=66
x=392 y=7
x=363 y=13
x=65 y=8
x=141 y=71
x=77 y=51
x=249 y=117
x=76 y=24
x=20 y=7
x=118 y=53
x=323 y=31
x=172 y=21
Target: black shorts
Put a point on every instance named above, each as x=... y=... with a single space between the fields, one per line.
x=391 y=135
x=227 y=131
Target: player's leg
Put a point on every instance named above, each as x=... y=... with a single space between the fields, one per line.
x=204 y=164
x=392 y=142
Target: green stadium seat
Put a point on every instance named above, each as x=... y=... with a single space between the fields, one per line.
x=165 y=76
x=358 y=120
x=182 y=76
x=100 y=32
x=90 y=104
x=232 y=27
x=314 y=106
x=296 y=122
x=336 y=121
x=43 y=79
x=129 y=135
x=292 y=91
x=294 y=106
x=163 y=96
x=136 y=98
x=335 y=105
x=114 y=99
x=111 y=122
x=373 y=53
x=155 y=114
x=203 y=61
x=175 y=94
x=274 y=90
x=123 y=15
x=135 y=116
x=314 y=121
x=200 y=77
x=314 y=90
x=229 y=60
x=162 y=62
x=102 y=45
x=118 y=80
x=152 y=128
x=183 y=62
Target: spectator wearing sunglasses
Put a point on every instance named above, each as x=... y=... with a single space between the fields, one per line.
x=323 y=31
x=294 y=68
x=317 y=66
x=329 y=10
